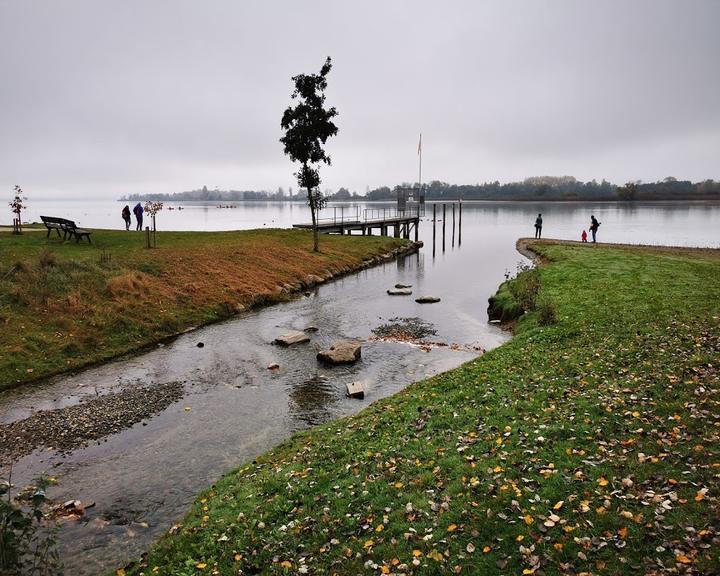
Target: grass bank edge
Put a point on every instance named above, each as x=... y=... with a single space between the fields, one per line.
x=237 y=522
x=80 y=285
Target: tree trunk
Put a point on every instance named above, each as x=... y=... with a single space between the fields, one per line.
x=314 y=221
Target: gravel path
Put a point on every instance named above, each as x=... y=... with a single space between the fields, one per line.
x=68 y=428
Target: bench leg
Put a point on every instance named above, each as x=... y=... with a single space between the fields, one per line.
x=48 y=234
x=56 y=230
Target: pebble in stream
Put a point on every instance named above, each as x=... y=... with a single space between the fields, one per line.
x=71 y=427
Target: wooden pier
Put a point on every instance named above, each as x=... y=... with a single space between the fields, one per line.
x=380 y=220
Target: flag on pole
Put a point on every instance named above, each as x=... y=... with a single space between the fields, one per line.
x=420 y=145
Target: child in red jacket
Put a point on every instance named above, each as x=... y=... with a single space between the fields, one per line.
x=584 y=236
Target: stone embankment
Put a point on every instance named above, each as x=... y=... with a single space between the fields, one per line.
x=312 y=280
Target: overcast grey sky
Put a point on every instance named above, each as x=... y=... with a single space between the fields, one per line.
x=103 y=98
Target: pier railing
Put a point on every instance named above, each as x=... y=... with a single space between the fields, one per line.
x=381 y=214
x=340 y=215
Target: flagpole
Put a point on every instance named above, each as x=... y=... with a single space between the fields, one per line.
x=420 y=164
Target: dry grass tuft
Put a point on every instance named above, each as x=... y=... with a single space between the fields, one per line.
x=136 y=284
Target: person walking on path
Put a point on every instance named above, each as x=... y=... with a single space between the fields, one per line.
x=594 y=225
x=126 y=216
x=138 y=211
x=538 y=226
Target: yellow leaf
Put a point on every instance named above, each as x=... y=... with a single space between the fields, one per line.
x=486 y=549
x=384 y=570
x=602 y=481
x=529 y=571
x=700 y=495
x=120 y=572
x=417 y=553
x=497 y=469
x=519 y=538
x=558 y=546
x=238 y=557
x=368 y=544
x=558 y=505
x=379 y=528
x=683 y=559
x=200 y=565
x=452 y=528
x=623 y=532
x=435 y=555
x=399 y=485
x=528 y=519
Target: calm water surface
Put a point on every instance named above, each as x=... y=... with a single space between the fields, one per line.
x=143 y=479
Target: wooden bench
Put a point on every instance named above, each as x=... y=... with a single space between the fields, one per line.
x=73 y=230
x=52 y=223
x=68 y=227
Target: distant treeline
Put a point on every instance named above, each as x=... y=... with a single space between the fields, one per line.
x=546 y=188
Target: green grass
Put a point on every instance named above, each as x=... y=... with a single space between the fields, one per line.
x=64 y=306
x=607 y=419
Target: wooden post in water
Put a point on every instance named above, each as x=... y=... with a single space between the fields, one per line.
x=453 y=231
x=443 y=230
x=460 y=223
x=434 y=221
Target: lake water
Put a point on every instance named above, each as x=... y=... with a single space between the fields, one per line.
x=682 y=224
x=143 y=479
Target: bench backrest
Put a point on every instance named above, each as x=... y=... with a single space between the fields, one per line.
x=62 y=222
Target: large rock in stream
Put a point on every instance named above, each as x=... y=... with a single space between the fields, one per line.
x=399 y=291
x=342 y=352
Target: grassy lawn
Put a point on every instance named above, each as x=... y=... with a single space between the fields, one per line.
x=587 y=446
x=63 y=307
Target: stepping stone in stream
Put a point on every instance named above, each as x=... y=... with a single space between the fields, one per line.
x=399 y=286
x=294 y=337
x=342 y=352
x=427 y=299
x=399 y=291
x=355 y=390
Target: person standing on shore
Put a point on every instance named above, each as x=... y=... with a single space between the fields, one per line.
x=138 y=211
x=594 y=225
x=126 y=216
x=538 y=226
x=583 y=236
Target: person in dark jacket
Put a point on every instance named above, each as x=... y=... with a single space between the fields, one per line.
x=538 y=226
x=594 y=225
x=138 y=211
x=126 y=216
